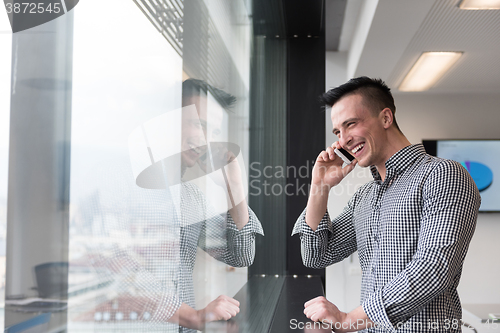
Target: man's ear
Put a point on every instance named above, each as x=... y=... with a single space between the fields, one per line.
x=386 y=117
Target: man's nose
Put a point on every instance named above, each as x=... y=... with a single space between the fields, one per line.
x=345 y=139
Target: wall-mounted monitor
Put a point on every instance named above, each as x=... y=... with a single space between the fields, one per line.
x=481 y=158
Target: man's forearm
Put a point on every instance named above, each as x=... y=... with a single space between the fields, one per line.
x=316 y=205
x=188 y=317
x=358 y=320
x=240 y=214
x=322 y=310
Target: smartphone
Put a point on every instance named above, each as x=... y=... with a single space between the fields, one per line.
x=344 y=155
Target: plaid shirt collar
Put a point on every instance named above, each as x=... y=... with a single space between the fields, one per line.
x=400 y=161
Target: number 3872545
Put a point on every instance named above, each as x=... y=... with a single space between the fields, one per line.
x=33 y=8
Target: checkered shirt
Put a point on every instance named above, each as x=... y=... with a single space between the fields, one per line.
x=216 y=234
x=160 y=278
x=412 y=232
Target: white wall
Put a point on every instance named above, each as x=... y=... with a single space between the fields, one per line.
x=425 y=116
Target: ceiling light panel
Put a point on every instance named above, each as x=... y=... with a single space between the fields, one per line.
x=480 y=4
x=428 y=69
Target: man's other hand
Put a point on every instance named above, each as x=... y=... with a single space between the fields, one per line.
x=222 y=308
x=321 y=310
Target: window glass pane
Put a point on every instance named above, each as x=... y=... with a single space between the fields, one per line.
x=128 y=200
x=5 y=70
x=157 y=163
x=124 y=74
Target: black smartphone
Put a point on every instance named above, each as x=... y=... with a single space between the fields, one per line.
x=344 y=155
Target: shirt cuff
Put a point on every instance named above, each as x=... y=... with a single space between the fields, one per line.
x=302 y=228
x=167 y=306
x=375 y=310
x=253 y=225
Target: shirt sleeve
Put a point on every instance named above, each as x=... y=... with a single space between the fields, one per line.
x=333 y=240
x=449 y=213
x=142 y=290
x=222 y=240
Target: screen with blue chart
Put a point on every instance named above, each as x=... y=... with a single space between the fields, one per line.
x=481 y=158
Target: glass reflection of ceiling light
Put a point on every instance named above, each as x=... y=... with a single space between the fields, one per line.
x=479 y=4
x=429 y=68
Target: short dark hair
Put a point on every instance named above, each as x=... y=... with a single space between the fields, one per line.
x=193 y=88
x=375 y=92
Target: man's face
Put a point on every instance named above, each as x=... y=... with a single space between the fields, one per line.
x=359 y=131
x=199 y=127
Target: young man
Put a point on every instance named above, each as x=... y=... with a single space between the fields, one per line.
x=411 y=225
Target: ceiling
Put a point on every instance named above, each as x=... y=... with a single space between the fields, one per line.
x=384 y=38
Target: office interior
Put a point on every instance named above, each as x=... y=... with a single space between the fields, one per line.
x=79 y=93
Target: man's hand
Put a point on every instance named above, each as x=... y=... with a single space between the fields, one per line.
x=220 y=157
x=222 y=308
x=230 y=179
x=327 y=170
x=319 y=309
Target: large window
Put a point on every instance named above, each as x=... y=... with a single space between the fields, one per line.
x=131 y=165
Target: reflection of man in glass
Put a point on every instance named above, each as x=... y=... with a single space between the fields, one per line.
x=199 y=129
x=228 y=237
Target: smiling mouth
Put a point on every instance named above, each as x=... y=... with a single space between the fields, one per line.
x=357 y=148
x=194 y=148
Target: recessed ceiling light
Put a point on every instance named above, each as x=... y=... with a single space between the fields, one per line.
x=429 y=68
x=479 y=4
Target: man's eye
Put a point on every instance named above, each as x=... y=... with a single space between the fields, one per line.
x=349 y=124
